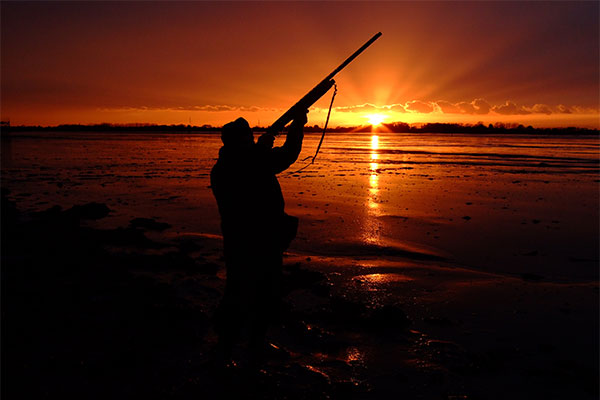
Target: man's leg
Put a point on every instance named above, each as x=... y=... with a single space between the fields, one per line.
x=266 y=308
x=229 y=317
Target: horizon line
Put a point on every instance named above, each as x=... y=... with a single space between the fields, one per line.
x=391 y=127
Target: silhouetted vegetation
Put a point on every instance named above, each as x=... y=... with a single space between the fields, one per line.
x=106 y=127
x=394 y=127
x=508 y=128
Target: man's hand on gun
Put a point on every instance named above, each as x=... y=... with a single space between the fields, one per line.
x=300 y=118
x=267 y=139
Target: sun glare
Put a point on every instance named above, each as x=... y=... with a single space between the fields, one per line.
x=375 y=119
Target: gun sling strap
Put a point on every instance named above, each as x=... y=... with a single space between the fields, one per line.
x=322 y=135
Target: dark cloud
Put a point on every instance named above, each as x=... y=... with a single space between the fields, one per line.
x=207 y=108
x=359 y=108
x=419 y=106
x=368 y=107
x=562 y=109
x=466 y=108
x=475 y=107
x=448 y=108
x=481 y=106
x=541 y=109
x=583 y=110
x=398 y=108
x=510 y=108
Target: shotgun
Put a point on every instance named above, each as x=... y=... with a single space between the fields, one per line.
x=316 y=93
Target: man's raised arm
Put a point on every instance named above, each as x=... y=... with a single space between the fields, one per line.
x=280 y=158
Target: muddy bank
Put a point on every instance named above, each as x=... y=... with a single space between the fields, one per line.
x=91 y=312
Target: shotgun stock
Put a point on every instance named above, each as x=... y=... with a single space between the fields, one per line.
x=316 y=93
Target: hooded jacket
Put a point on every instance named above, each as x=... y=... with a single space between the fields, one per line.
x=249 y=196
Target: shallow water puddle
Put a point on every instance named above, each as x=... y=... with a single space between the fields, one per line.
x=376 y=282
x=382 y=278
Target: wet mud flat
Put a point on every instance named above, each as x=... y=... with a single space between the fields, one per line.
x=125 y=312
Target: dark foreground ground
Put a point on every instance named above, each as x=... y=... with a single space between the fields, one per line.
x=111 y=313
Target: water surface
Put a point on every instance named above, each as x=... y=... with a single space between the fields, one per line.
x=508 y=204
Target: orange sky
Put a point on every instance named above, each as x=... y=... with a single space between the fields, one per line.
x=206 y=62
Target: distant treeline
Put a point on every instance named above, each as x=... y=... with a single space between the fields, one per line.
x=106 y=127
x=479 y=128
x=395 y=127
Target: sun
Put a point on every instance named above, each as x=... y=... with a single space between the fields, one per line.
x=376 y=119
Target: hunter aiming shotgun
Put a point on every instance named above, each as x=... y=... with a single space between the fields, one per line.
x=256 y=229
x=316 y=93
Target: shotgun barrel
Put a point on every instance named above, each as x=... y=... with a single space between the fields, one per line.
x=317 y=92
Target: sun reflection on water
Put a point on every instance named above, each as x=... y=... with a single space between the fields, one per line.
x=374 y=142
x=372 y=230
x=374 y=169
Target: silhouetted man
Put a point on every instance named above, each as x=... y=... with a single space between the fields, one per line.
x=256 y=230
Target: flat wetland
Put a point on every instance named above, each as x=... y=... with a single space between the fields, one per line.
x=434 y=266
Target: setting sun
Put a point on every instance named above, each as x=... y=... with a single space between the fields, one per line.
x=375 y=119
